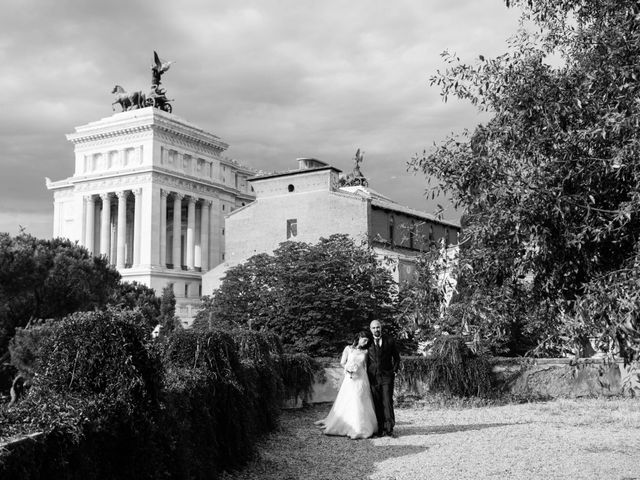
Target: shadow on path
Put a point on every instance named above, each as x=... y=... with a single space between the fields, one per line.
x=300 y=451
x=444 y=429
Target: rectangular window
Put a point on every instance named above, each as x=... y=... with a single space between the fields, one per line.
x=292 y=228
x=186 y=290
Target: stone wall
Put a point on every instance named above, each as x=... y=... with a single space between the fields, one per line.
x=564 y=377
x=534 y=378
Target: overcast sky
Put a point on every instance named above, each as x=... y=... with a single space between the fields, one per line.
x=276 y=80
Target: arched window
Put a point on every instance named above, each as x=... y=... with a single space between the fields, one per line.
x=391 y=229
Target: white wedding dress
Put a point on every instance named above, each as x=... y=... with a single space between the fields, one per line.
x=352 y=414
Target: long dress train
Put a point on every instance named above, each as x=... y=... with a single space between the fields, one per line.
x=352 y=413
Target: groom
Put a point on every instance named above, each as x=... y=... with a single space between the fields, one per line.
x=383 y=364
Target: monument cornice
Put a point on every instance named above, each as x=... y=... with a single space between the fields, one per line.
x=190 y=139
x=135 y=121
x=117 y=141
x=57 y=185
x=187 y=182
x=113 y=183
x=160 y=176
x=78 y=139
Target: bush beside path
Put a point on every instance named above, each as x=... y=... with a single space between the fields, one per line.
x=563 y=439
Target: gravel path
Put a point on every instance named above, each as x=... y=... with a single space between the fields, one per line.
x=564 y=439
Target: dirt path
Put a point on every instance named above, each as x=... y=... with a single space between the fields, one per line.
x=586 y=439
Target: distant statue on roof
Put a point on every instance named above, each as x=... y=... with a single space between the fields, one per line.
x=155 y=97
x=158 y=69
x=356 y=178
x=357 y=160
x=127 y=100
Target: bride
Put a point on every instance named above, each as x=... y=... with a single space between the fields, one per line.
x=352 y=414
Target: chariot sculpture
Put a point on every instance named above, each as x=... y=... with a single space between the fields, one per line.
x=156 y=97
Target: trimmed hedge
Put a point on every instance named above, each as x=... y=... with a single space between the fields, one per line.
x=95 y=392
x=113 y=403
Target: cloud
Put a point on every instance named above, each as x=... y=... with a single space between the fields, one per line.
x=275 y=79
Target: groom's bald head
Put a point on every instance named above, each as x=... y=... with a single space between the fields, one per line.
x=376 y=328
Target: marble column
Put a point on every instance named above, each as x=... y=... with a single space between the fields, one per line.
x=122 y=228
x=89 y=240
x=163 y=228
x=105 y=224
x=204 y=235
x=214 y=234
x=137 y=226
x=191 y=232
x=177 y=227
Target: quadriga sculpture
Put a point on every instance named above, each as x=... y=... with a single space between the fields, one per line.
x=128 y=101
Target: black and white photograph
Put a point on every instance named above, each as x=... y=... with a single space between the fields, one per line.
x=296 y=240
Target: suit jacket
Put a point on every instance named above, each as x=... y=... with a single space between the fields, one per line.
x=383 y=362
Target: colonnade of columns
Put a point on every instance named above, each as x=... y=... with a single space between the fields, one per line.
x=120 y=234
x=124 y=245
x=196 y=250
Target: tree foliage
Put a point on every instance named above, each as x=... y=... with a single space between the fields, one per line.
x=48 y=279
x=421 y=300
x=167 y=315
x=137 y=296
x=550 y=184
x=315 y=297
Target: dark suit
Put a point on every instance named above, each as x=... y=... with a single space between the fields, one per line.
x=382 y=364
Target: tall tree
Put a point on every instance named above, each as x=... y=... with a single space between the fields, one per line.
x=137 y=296
x=550 y=184
x=48 y=279
x=167 y=319
x=315 y=297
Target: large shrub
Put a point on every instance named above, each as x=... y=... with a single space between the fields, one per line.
x=96 y=395
x=101 y=353
x=314 y=297
x=220 y=395
x=97 y=356
x=95 y=388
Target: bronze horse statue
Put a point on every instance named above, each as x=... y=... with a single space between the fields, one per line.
x=128 y=101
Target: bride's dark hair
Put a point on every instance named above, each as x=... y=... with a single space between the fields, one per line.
x=359 y=335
